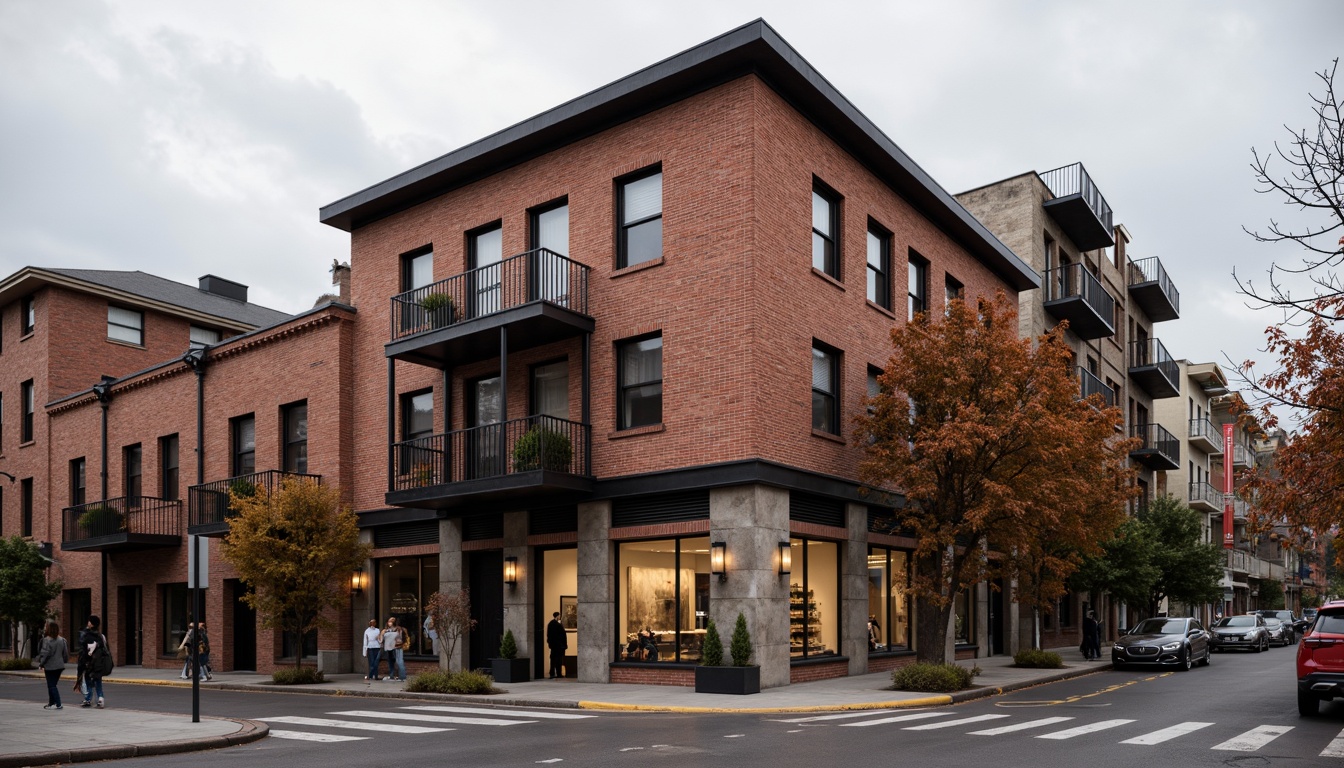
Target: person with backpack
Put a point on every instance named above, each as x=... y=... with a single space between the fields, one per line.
x=95 y=661
x=51 y=659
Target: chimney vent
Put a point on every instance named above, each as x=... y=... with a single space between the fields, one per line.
x=221 y=287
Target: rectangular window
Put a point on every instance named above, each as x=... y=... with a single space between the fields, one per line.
x=174 y=610
x=28 y=403
x=639 y=201
x=417 y=270
x=27 y=315
x=953 y=288
x=417 y=414
x=422 y=459
x=485 y=252
x=919 y=285
x=243 y=433
x=550 y=241
x=825 y=389
x=295 y=417
x=203 y=337
x=879 y=267
x=825 y=231
x=639 y=364
x=309 y=644
x=963 y=619
x=77 y=469
x=125 y=325
x=814 y=599
x=888 y=600
x=168 y=478
x=26 y=507
x=550 y=390
x=404 y=586
x=664 y=600
x=131 y=457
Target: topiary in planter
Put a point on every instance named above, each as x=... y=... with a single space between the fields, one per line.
x=101 y=520
x=508 y=647
x=711 y=648
x=740 y=646
x=439 y=307
x=541 y=448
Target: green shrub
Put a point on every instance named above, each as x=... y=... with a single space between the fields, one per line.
x=933 y=678
x=299 y=676
x=1035 y=659
x=243 y=488
x=101 y=520
x=541 y=448
x=739 y=647
x=434 y=302
x=466 y=681
x=10 y=665
x=711 y=648
x=508 y=647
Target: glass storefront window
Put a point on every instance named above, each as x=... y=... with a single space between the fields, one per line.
x=176 y=609
x=963 y=619
x=814 y=599
x=888 y=599
x=405 y=585
x=664 y=605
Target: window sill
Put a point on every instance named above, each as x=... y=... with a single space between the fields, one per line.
x=28 y=335
x=640 y=267
x=121 y=343
x=822 y=659
x=880 y=308
x=829 y=278
x=635 y=431
x=828 y=436
x=27 y=444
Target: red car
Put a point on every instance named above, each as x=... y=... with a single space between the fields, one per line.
x=1320 y=660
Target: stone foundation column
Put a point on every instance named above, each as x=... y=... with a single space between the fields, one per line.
x=752 y=520
x=518 y=598
x=597 y=592
x=854 y=590
x=451 y=579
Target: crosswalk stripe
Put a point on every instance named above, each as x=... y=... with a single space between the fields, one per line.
x=951 y=723
x=1084 y=729
x=1335 y=748
x=327 y=737
x=1166 y=734
x=428 y=718
x=1020 y=726
x=1254 y=739
x=352 y=725
x=896 y=719
x=841 y=716
x=503 y=712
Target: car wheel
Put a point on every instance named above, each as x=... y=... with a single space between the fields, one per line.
x=1187 y=659
x=1307 y=705
x=1208 y=657
x=1261 y=646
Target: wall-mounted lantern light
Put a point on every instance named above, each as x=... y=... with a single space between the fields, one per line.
x=718 y=558
x=358 y=580
x=511 y=571
x=785 y=558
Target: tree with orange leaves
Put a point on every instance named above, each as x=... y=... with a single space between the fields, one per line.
x=990 y=459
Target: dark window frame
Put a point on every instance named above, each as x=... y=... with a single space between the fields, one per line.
x=27 y=410
x=292 y=458
x=879 y=276
x=623 y=388
x=78 y=480
x=27 y=315
x=917 y=289
x=133 y=472
x=532 y=382
x=26 y=507
x=140 y=330
x=832 y=427
x=170 y=447
x=953 y=288
x=834 y=199
x=237 y=455
x=407 y=266
x=404 y=403
x=623 y=227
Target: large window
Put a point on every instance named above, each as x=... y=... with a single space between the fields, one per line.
x=175 y=610
x=639 y=201
x=417 y=414
x=243 y=460
x=639 y=371
x=168 y=478
x=404 y=586
x=27 y=315
x=132 y=465
x=26 y=507
x=203 y=337
x=953 y=289
x=879 y=267
x=417 y=269
x=825 y=389
x=919 y=285
x=309 y=645
x=550 y=237
x=29 y=405
x=888 y=599
x=77 y=471
x=550 y=390
x=295 y=417
x=825 y=231
x=814 y=599
x=485 y=251
x=664 y=594
x=125 y=325
x=963 y=618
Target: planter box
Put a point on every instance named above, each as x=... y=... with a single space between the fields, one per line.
x=510 y=670
x=737 y=680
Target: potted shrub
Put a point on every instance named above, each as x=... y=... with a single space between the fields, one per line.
x=101 y=520
x=508 y=668
x=439 y=309
x=542 y=448
x=742 y=677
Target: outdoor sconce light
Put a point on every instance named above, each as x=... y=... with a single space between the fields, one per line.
x=511 y=571
x=718 y=556
x=785 y=558
x=357 y=582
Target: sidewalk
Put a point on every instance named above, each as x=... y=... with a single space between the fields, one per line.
x=36 y=737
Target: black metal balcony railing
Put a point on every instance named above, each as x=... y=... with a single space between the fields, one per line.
x=1203 y=431
x=1153 y=290
x=1205 y=495
x=536 y=275
x=1091 y=385
x=494 y=450
x=1073 y=293
x=1079 y=206
x=1153 y=367
x=1159 y=448
x=208 y=508
x=122 y=522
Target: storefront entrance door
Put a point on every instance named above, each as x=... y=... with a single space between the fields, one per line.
x=485 y=570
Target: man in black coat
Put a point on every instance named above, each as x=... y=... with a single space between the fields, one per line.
x=558 y=642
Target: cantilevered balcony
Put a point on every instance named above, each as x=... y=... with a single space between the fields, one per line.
x=123 y=524
x=208 y=509
x=1090 y=385
x=536 y=458
x=1205 y=436
x=1152 y=290
x=538 y=297
x=1242 y=458
x=1079 y=207
x=1239 y=561
x=1153 y=369
x=1159 y=450
x=1074 y=294
x=1205 y=498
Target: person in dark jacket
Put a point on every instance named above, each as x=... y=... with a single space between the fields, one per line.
x=51 y=659
x=558 y=641
x=89 y=641
x=1091 y=637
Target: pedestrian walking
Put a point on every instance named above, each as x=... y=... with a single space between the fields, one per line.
x=558 y=641
x=432 y=634
x=203 y=669
x=184 y=651
x=95 y=661
x=51 y=659
x=393 y=639
x=1091 y=637
x=372 y=649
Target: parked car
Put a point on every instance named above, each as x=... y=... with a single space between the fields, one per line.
x=1320 y=661
x=1298 y=626
x=1247 y=632
x=1308 y=616
x=1279 y=633
x=1162 y=642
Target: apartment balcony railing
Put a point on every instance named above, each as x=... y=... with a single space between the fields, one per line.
x=1152 y=367
x=1090 y=385
x=1072 y=293
x=540 y=296
x=1159 y=448
x=1241 y=509
x=535 y=456
x=1079 y=207
x=1205 y=436
x=1239 y=561
x=1153 y=291
x=1242 y=456
x=122 y=524
x=1204 y=497
x=208 y=509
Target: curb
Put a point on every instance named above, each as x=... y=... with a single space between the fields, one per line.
x=971 y=694
x=927 y=701
x=248 y=731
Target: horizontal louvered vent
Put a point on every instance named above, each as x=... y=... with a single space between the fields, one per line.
x=482 y=527
x=406 y=534
x=817 y=510
x=660 y=508
x=553 y=520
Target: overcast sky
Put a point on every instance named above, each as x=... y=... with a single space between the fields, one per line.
x=181 y=138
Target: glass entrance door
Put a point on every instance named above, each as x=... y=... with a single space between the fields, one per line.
x=486 y=443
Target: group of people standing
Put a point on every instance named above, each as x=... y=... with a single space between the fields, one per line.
x=390 y=641
x=93 y=663
x=199 y=637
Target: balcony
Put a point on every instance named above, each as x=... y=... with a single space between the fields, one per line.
x=1203 y=497
x=1079 y=207
x=123 y=524
x=1152 y=290
x=1152 y=368
x=1242 y=457
x=539 y=457
x=537 y=297
x=1206 y=437
x=1090 y=385
x=1239 y=561
x=1159 y=450
x=1074 y=294
x=208 y=510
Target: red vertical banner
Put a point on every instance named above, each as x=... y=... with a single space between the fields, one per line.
x=1227 y=486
